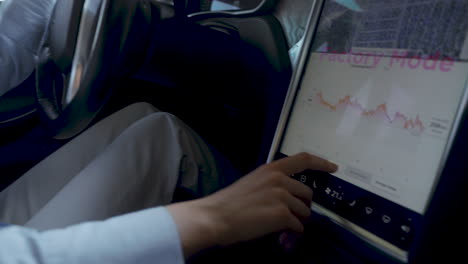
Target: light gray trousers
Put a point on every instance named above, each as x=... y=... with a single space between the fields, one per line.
x=132 y=160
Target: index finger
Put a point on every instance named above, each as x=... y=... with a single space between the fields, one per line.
x=301 y=162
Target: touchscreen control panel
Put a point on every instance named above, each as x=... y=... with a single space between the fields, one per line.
x=387 y=220
x=379 y=94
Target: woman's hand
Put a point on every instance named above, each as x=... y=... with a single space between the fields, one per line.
x=265 y=201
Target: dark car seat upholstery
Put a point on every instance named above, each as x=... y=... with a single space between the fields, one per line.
x=266 y=60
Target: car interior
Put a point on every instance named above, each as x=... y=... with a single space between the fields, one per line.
x=222 y=66
x=170 y=58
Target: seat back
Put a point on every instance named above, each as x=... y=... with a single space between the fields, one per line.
x=262 y=31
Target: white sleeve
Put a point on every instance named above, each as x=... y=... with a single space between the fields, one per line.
x=22 y=25
x=148 y=236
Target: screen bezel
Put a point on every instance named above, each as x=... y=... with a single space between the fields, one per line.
x=297 y=77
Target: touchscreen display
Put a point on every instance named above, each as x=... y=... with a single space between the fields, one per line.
x=380 y=92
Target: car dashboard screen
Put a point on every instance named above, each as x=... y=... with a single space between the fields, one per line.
x=379 y=96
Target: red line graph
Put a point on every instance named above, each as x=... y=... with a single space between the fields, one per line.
x=399 y=119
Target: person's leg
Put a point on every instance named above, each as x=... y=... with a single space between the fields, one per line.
x=20 y=201
x=140 y=169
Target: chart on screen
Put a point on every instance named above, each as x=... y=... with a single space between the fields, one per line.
x=384 y=123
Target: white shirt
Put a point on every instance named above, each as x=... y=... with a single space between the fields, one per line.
x=148 y=236
x=22 y=26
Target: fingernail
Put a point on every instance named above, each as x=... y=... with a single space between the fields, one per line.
x=334 y=167
x=282 y=239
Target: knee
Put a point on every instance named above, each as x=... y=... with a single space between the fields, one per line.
x=161 y=123
x=142 y=107
x=164 y=120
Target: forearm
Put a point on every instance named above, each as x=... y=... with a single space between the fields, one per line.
x=196 y=225
x=263 y=202
x=144 y=237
